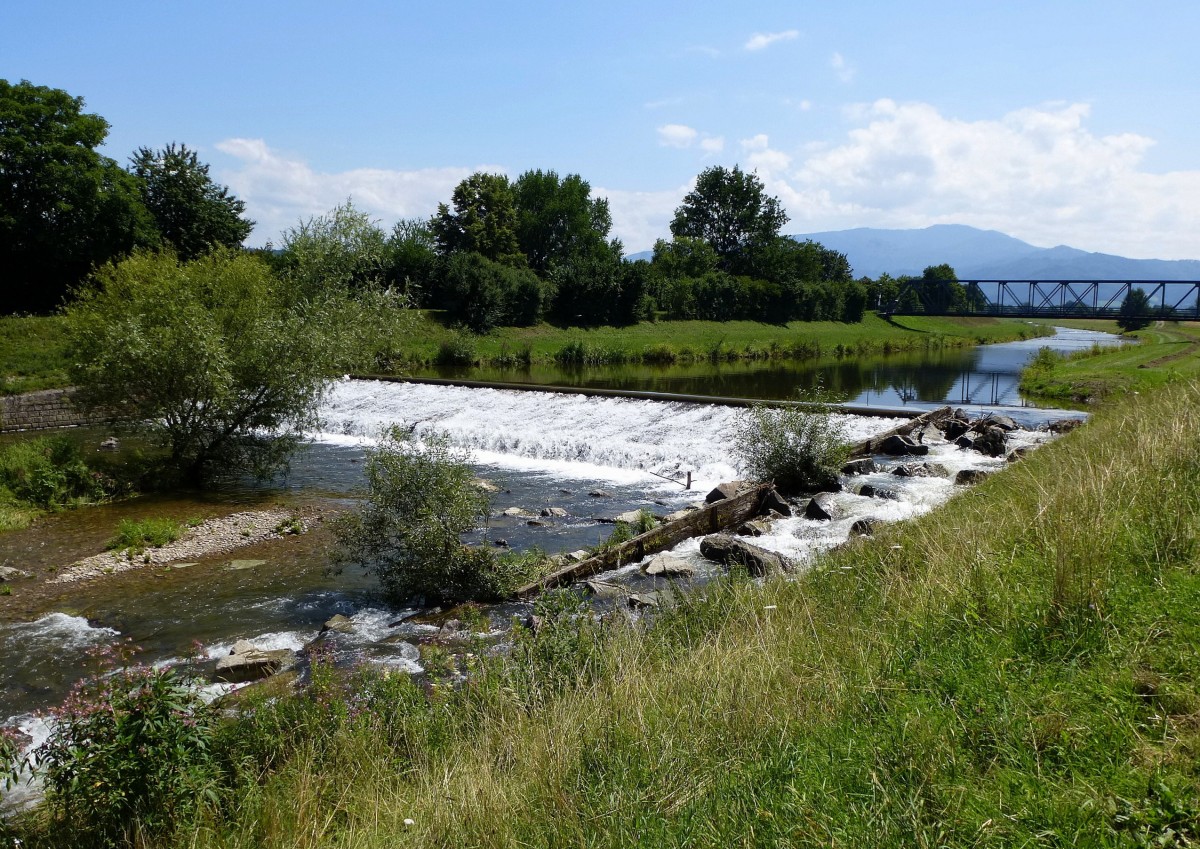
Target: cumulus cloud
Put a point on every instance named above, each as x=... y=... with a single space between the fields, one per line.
x=763 y=40
x=676 y=135
x=1036 y=173
x=280 y=189
x=714 y=144
x=640 y=218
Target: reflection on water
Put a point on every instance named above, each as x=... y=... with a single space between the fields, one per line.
x=986 y=375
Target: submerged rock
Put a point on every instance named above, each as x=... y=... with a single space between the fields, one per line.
x=339 y=623
x=754 y=528
x=864 y=466
x=249 y=663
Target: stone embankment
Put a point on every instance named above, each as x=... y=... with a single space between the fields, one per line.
x=44 y=410
x=215 y=536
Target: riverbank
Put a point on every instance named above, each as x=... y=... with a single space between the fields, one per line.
x=1164 y=353
x=1018 y=667
x=33 y=349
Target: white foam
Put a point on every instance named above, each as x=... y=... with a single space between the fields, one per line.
x=57 y=631
x=271 y=641
x=620 y=440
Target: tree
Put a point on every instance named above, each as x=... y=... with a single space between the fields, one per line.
x=421 y=499
x=558 y=221
x=484 y=294
x=730 y=210
x=193 y=214
x=800 y=449
x=343 y=249
x=214 y=359
x=64 y=208
x=1135 y=311
x=483 y=221
x=412 y=260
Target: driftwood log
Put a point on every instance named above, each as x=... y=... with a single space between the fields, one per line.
x=706 y=520
x=871 y=445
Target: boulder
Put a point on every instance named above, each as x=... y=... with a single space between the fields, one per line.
x=731 y=551
x=898 y=446
x=8 y=573
x=484 y=485
x=629 y=517
x=339 y=623
x=862 y=528
x=991 y=441
x=1017 y=454
x=515 y=512
x=1063 y=425
x=774 y=501
x=643 y=601
x=966 y=441
x=1005 y=423
x=864 y=466
x=554 y=512
x=578 y=556
x=668 y=564
x=967 y=477
x=954 y=428
x=679 y=514
x=600 y=493
x=754 y=528
x=820 y=507
x=252 y=664
x=603 y=589
x=928 y=434
x=868 y=490
x=726 y=490
x=110 y=444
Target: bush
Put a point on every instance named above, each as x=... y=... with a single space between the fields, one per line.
x=135 y=536
x=800 y=449
x=421 y=499
x=129 y=759
x=49 y=472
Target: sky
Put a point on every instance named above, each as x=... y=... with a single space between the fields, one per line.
x=1072 y=123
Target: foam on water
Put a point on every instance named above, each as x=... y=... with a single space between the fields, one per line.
x=56 y=632
x=621 y=440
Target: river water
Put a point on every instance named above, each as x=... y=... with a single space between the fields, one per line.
x=541 y=449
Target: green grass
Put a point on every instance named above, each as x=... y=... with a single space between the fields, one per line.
x=670 y=342
x=1164 y=353
x=136 y=536
x=32 y=354
x=1020 y=667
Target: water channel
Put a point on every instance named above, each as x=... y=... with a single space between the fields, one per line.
x=540 y=449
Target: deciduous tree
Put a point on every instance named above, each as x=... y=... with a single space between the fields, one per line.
x=730 y=210
x=193 y=214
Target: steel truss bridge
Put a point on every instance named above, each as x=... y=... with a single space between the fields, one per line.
x=1171 y=300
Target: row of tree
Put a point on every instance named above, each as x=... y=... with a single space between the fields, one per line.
x=66 y=209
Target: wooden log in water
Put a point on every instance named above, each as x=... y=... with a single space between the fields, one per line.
x=706 y=520
x=871 y=445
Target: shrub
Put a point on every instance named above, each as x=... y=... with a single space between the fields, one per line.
x=49 y=472
x=459 y=350
x=130 y=758
x=421 y=499
x=800 y=449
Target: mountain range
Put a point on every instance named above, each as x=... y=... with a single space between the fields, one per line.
x=988 y=255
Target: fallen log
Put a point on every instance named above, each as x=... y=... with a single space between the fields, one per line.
x=705 y=520
x=871 y=445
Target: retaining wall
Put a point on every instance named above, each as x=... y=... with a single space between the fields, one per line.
x=44 y=410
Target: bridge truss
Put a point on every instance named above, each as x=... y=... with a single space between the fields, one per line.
x=1174 y=300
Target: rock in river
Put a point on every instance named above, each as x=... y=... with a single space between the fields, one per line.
x=730 y=551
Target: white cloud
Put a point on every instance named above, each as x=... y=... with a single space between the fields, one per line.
x=640 y=218
x=1038 y=173
x=676 y=135
x=762 y=40
x=280 y=190
x=713 y=144
x=844 y=70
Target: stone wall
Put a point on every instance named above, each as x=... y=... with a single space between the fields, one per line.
x=50 y=408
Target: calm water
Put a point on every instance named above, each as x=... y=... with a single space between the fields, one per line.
x=985 y=376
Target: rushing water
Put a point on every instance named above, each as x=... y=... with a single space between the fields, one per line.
x=541 y=449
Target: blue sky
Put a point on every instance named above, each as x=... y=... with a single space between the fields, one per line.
x=1059 y=123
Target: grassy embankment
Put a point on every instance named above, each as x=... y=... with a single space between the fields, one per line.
x=33 y=355
x=1165 y=352
x=1018 y=668
x=694 y=341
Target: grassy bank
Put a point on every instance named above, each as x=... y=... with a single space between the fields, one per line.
x=1165 y=352
x=692 y=341
x=1020 y=667
x=32 y=354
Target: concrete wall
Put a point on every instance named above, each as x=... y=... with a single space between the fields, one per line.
x=50 y=408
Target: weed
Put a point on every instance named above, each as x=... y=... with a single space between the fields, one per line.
x=135 y=536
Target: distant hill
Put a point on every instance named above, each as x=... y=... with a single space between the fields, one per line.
x=987 y=254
